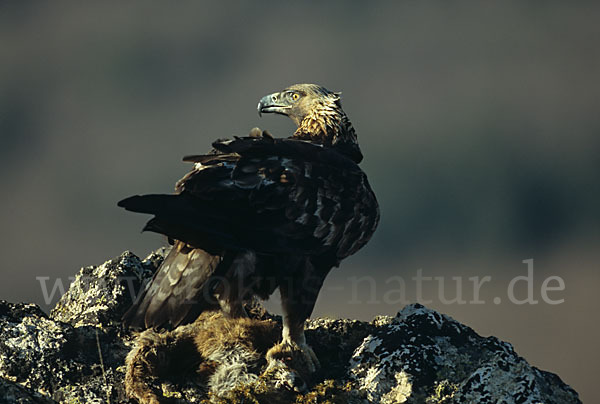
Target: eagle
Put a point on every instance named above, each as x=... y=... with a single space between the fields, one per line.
x=259 y=213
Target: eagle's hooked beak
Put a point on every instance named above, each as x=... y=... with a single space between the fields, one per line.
x=273 y=103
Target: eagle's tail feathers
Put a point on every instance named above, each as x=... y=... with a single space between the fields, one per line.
x=147 y=203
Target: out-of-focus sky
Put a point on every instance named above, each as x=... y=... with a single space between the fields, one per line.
x=479 y=122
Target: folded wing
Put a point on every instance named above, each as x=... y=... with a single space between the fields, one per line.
x=269 y=195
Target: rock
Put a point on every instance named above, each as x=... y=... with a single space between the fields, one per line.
x=58 y=356
x=100 y=295
x=12 y=392
x=77 y=354
x=53 y=359
x=424 y=356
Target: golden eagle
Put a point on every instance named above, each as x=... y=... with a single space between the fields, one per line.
x=259 y=213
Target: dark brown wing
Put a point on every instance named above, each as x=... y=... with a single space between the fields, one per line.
x=269 y=195
x=177 y=292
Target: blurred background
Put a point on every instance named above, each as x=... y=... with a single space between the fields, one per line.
x=479 y=123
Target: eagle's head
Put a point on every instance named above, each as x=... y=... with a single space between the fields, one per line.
x=318 y=114
x=297 y=101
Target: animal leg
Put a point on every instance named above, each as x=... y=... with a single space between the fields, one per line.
x=298 y=296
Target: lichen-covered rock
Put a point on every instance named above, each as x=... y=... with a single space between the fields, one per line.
x=29 y=341
x=77 y=355
x=423 y=356
x=12 y=392
x=100 y=295
x=56 y=358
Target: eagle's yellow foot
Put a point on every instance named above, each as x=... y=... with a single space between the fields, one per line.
x=289 y=365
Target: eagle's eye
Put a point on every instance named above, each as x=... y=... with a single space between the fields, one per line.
x=295 y=96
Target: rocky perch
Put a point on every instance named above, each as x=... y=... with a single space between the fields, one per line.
x=77 y=354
